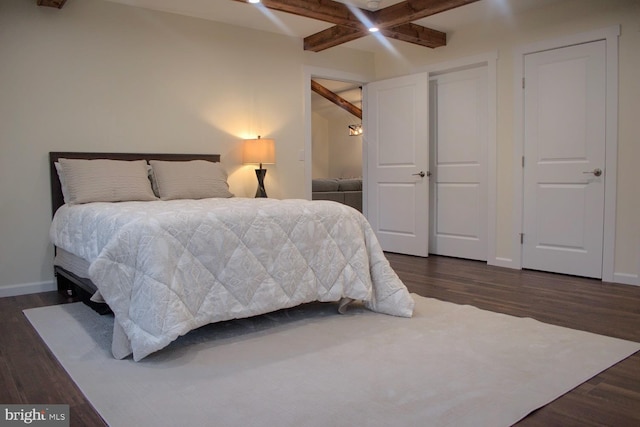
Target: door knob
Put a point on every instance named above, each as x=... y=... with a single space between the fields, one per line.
x=422 y=174
x=596 y=172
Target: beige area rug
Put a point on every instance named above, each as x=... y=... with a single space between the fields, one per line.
x=449 y=365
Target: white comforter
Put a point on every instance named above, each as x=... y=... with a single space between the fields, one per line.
x=167 y=267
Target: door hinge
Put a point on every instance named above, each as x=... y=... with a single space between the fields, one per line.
x=522 y=161
x=523 y=83
x=521 y=238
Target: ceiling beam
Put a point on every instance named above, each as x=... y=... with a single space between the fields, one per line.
x=412 y=33
x=52 y=3
x=394 y=22
x=336 y=99
x=330 y=11
x=412 y=10
x=332 y=36
x=416 y=34
x=349 y=23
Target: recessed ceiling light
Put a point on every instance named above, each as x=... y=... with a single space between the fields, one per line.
x=254 y=1
x=373 y=29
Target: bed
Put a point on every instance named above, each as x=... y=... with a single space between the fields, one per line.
x=178 y=255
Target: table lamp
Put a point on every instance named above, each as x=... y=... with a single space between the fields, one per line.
x=261 y=151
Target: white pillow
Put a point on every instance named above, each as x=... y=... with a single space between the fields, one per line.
x=194 y=179
x=63 y=183
x=102 y=180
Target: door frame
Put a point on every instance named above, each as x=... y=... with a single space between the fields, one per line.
x=310 y=72
x=610 y=35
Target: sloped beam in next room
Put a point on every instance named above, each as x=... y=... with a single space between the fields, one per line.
x=336 y=99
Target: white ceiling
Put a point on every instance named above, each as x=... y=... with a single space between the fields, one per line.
x=259 y=18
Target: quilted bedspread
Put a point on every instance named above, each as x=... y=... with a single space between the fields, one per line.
x=167 y=267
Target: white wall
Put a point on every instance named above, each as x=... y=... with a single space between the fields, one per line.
x=101 y=76
x=336 y=154
x=345 y=152
x=320 y=146
x=505 y=34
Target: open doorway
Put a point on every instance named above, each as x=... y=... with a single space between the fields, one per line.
x=336 y=142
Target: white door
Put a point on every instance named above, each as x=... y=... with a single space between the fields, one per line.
x=396 y=142
x=564 y=158
x=458 y=115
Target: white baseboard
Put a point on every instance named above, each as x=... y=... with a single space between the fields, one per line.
x=503 y=262
x=622 y=278
x=27 y=288
x=626 y=279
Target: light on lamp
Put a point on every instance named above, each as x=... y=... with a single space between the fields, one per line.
x=355 y=130
x=260 y=150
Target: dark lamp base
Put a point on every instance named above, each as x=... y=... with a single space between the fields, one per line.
x=260 y=174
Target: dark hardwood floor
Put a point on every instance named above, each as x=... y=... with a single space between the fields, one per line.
x=30 y=374
x=609 y=399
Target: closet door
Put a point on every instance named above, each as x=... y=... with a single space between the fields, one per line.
x=564 y=158
x=458 y=115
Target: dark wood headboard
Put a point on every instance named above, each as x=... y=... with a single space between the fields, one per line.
x=56 y=189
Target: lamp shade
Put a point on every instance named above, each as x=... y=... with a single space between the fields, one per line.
x=260 y=150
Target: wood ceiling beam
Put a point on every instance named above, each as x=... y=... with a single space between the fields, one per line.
x=394 y=21
x=323 y=10
x=416 y=34
x=331 y=37
x=52 y=3
x=412 y=10
x=411 y=33
x=336 y=99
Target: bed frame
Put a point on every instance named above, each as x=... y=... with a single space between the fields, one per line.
x=69 y=284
